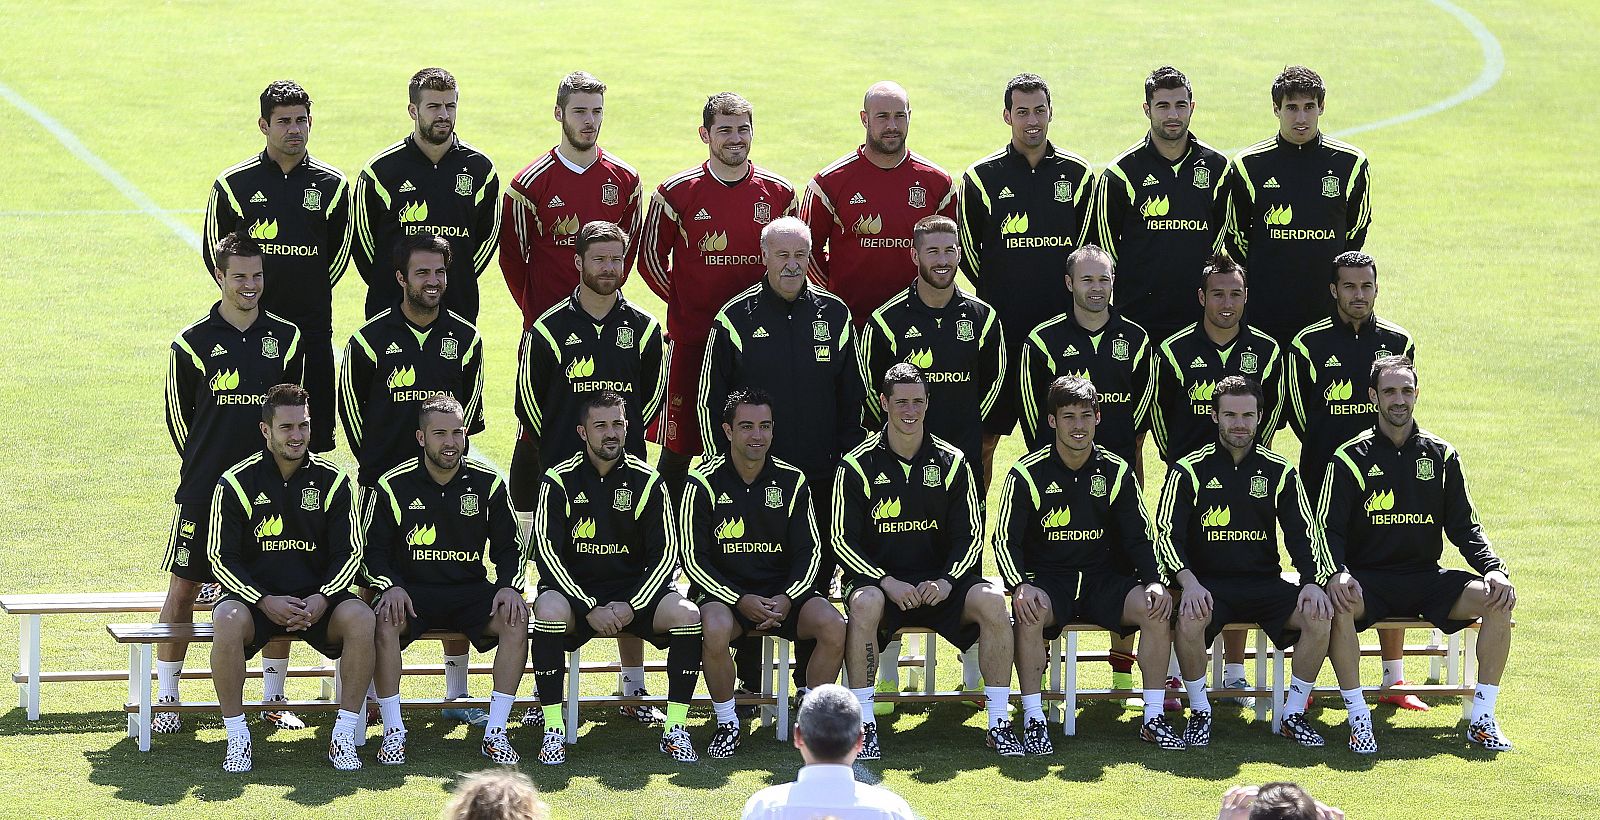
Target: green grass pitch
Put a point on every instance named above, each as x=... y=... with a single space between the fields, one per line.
x=1483 y=222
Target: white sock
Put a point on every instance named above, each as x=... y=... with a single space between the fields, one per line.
x=1355 y=704
x=274 y=673
x=864 y=697
x=1232 y=671
x=1198 y=702
x=889 y=665
x=390 y=707
x=167 y=679
x=1155 y=702
x=1483 y=700
x=499 y=711
x=1299 y=694
x=997 y=699
x=236 y=726
x=632 y=680
x=347 y=723
x=1033 y=707
x=455 y=676
x=1393 y=671
x=725 y=711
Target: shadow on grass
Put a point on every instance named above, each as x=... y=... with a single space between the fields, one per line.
x=15 y=723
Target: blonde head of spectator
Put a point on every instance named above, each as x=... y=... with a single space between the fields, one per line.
x=495 y=794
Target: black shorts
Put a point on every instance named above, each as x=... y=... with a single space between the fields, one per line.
x=1268 y=602
x=786 y=629
x=943 y=618
x=463 y=608
x=318 y=352
x=1096 y=597
x=316 y=636
x=642 y=625
x=186 y=546
x=1429 y=594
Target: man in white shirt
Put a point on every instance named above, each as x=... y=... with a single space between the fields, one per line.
x=828 y=735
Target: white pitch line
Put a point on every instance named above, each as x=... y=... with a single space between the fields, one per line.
x=74 y=145
x=92 y=212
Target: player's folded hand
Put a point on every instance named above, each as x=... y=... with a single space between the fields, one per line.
x=900 y=593
x=1158 y=601
x=604 y=621
x=1027 y=604
x=1196 y=603
x=1345 y=591
x=1314 y=603
x=283 y=610
x=512 y=602
x=1502 y=596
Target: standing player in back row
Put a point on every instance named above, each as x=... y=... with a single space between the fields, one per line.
x=429 y=182
x=297 y=209
x=1294 y=202
x=861 y=209
x=701 y=244
x=1023 y=209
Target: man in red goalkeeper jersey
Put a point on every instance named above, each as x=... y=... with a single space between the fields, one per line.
x=862 y=207
x=700 y=245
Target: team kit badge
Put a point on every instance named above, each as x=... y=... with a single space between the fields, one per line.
x=609 y=194
x=464 y=184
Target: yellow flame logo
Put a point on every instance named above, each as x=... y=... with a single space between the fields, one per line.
x=225 y=380
x=1057 y=518
x=1338 y=391
x=1202 y=391
x=415 y=212
x=868 y=225
x=421 y=536
x=887 y=508
x=1014 y=223
x=1155 y=206
x=1380 y=501
x=581 y=368
x=402 y=377
x=714 y=242
x=1279 y=215
x=583 y=529
x=730 y=530
x=922 y=359
x=264 y=229
x=270 y=526
x=1216 y=517
x=565 y=226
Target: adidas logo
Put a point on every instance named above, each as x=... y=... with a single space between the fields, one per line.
x=702 y=215
x=259 y=197
x=913 y=333
x=1198 y=362
x=724 y=499
x=761 y=333
x=1072 y=350
x=1053 y=488
x=1150 y=179
x=881 y=479
x=406 y=187
x=1272 y=182
x=261 y=498
x=1213 y=484
x=416 y=504
x=555 y=202
x=1005 y=193
x=392 y=349
x=581 y=498
x=572 y=339
x=219 y=350
x=858 y=199
x=1375 y=471
x=1333 y=361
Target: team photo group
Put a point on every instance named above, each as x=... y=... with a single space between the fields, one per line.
x=828 y=401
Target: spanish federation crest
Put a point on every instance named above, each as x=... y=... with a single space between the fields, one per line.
x=312 y=200
x=448 y=348
x=1119 y=349
x=930 y=475
x=964 y=331
x=1063 y=190
x=1258 y=486
x=763 y=213
x=310 y=498
x=1330 y=186
x=609 y=194
x=622 y=499
x=775 y=497
x=1247 y=363
x=625 y=337
x=1097 y=485
x=1424 y=469
x=820 y=331
x=917 y=197
x=469 y=504
x=182 y=558
x=464 y=184
x=269 y=347
x=1202 y=177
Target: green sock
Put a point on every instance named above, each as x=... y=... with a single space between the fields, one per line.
x=677 y=715
x=554 y=721
x=1122 y=680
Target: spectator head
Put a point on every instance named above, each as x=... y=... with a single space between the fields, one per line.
x=495 y=794
x=828 y=728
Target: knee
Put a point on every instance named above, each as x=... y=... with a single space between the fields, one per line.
x=356 y=616
x=684 y=613
x=1316 y=628
x=717 y=626
x=866 y=605
x=550 y=607
x=1193 y=628
x=832 y=631
x=991 y=607
x=183 y=588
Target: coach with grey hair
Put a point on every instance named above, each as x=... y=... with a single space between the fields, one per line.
x=828 y=735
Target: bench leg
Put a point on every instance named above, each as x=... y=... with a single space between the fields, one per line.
x=133 y=688
x=573 y=689
x=330 y=684
x=782 y=689
x=1278 y=692
x=28 y=652
x=143 y=672
x=1469 y=666
x=765 y=712
x=1262 y=704
x=1052 y=713
x=1216 y=662
x=930 y=662
x=1069 y=703
x=1434 y=662
x=971 y=677
x=1452 y=660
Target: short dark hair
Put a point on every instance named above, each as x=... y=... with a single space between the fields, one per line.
x=578 y=82
x=1352 y=259
x=1283 y=801
x=599 y=400
x=1165 y=77
x=932 y=224
x=430 y=79
x=1298 y=81
x=1237 y=386
x=1071 y=390
x=283 y=395
x=417 y=243
x=902 y=373
x=753 y=396
x=727 y=103
x=283 y=93
x=600 y=231
x=232 y=246
x=1221 y=264
x=830 y=722
x=1027 y=84
x=438 y=404
x=1085 y=252
x=1387 y=364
